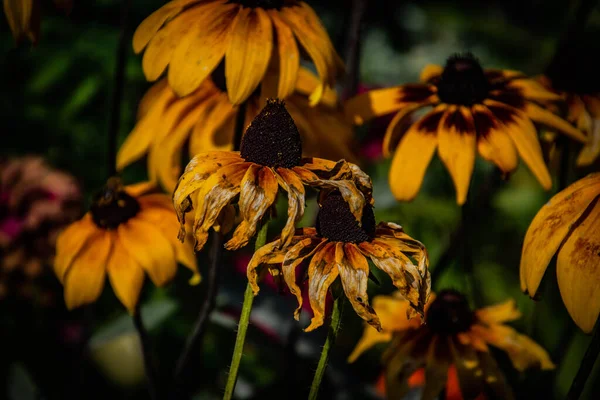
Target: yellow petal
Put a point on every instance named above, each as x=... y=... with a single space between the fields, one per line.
x=493 y=143
x=499 y=313
x=374 y=103
x=18 y=14
x=456 y=148
x=591 y=150
x=199 y=52
x=545 y=117
x=213 y=130
x=322 y=272
x=523 y=134
x=268 y=254
x=291 y=183
x=150 y=249
x=151 y=96
x=289 y=57
x=308 y=82
x=155 y=21
x=139 y=140
x=397 y=127
x=550 y=226
x=248 y=54
x=412 y=157
x=370 y=338
x=354 y=273
x=578 y=270
x=159 y=52
x=126 y=276
x=431 y=71
x=85 y=279
x=258 y=192
x=533 y=90
x=71 y=242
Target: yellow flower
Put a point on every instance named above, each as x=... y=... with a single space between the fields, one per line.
x=193 y=36
x=24 y=18
x=582 y=110
x=491 y=111
x=125 y=234
x=339 y=247
x=206 y=120
x=453 y=336
x=568 y=225
x=270 y=158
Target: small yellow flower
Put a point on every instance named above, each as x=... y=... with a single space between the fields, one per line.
x=24 y=18
x=126 y=234
x=270 y=158
x=193 y=36
x=206 y=120
x=489 y=111
x=339 y=247
x=453 y=336
x=568 y=225
x=582 y=110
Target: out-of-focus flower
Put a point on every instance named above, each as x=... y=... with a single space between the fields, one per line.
x=583 y=110
x=127 y=233
x=453 y=336
x=24 y=17
x=36 y=202
x=339 y=247
x=120 y=359
x=270 y=158
x=193 y=36
x=489 y=111
x=206 y=120
x=568 y=225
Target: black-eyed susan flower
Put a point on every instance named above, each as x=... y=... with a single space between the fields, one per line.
x=568 y=225
x=471 y=109
x=24 y=17
x=193 y=36
x=206 y=120
x=340 y=247
x=582 y=108
x=453 y=337
x=270 y=159
x=127 y=233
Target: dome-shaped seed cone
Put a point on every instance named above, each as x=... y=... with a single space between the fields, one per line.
x=463 y=81
x=336 y=223
x=272 y=139
x=450 y=313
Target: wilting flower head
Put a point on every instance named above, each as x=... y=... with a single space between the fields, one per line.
x=568 y=225
x=24 y=17
x=491 y=111
x=270 y=158
x=36 y=202
x=193 y=36
x=453 y=336
x=127 y=232
x=206 y=120
x=339 y=247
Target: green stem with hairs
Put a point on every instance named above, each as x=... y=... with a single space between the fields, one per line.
x=334 y=327
x=261 y=240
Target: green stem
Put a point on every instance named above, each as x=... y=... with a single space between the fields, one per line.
x=586 y=366
x=334 y=327
x=261 y=240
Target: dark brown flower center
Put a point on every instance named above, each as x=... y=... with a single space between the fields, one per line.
x=463 y=81
x=336 y=222
x=265 y=4
x=449 y=313
x=112 y=206
x=272 y=139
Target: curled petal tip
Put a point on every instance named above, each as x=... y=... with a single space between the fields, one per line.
x=195 y=280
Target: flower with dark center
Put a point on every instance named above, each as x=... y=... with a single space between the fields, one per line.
x=574 y=77
x=452 y=345
x=340 y=247
x=129 y=232
x=270 y=159
x=567 y=228
x=470 y=110
x=193 y=37
x=206 y=120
